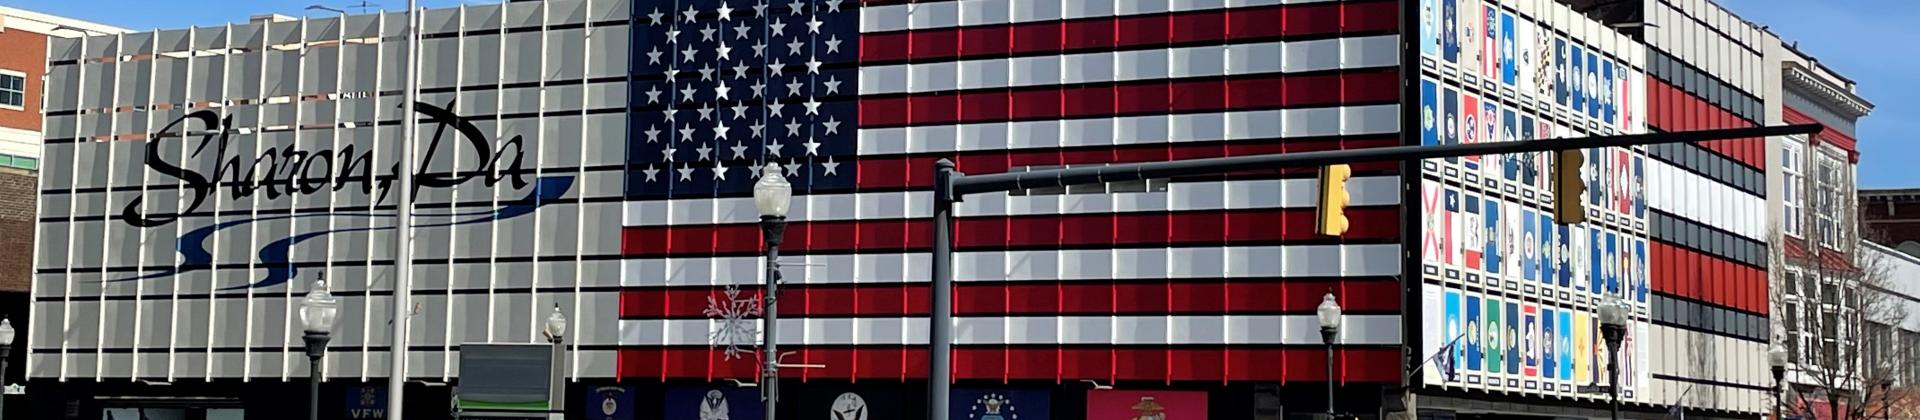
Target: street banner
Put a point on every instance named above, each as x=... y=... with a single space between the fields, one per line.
x=831 y=402
x=612 y=403
x=1145 y=405
x=717 y=402
x=1000 y=404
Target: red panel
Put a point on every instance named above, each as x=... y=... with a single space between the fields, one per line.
x=1140 y=364
x=1035 y=103
x=935 y=44
x=976 y=106
x=1144 y=30
x=1082 y=363
x=1091 y=300
x=1204 y=26
x=1032 y=363
x=1196 y=365
x=933 y=108
x=887 y=46
x=1144 y=97
x=1088 y=101
x=882 y=363
x=1315 y=20
x=1088 y=34
x=984 y=42
x=1035 y=37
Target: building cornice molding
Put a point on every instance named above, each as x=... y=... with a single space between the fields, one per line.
x=1807 y=84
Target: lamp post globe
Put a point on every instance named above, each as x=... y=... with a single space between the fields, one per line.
x=772 y=195
x=318 y=311
x=556 y=327
x=6 y=333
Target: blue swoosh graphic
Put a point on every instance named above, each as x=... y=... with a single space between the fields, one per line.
x=276 y=255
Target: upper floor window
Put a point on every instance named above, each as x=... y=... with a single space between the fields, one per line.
x=22 y=162
x=13 y=90
x=1832 y=199
x=1793 y=169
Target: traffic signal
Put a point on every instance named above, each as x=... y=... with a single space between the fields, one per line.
x=1567 y=186
x=1332 y=218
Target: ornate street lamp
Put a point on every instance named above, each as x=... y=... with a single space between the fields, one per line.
x=772 y=195
x=317 y=313
x=6 y=351
x=1330 y=317
x=1613 y=328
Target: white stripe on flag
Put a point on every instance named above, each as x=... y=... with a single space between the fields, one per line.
x=1146 y=129
x=1180 y=196
x=1035 y=265
x=1083 y=330
x=994 y=12
x=1144 y=64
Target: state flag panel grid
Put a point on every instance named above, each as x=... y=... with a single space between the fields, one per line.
x=1510 y=295
x=1206 y=279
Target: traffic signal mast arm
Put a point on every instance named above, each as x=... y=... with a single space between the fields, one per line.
x=950 y=186
x=958 y=185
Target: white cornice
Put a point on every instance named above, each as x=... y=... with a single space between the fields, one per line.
x=1841 y=101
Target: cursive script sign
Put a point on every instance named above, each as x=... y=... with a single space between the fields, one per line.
x=277 y=172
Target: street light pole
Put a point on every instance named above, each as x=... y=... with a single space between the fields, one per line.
x=403 y=231
x=1330 y=317
x=317 y=313
x=1613 y=328
x=1777 y=357
x=772 y=195
x=6 y=352
x=556 y=332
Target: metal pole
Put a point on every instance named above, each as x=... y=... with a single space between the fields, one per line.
x=403 y=252
x=1613 y=334
x=940 y=353
x=972 y=184
x=556 y=380
x=1326 y=336
x=6 y=351
x=774 y=228
x=1779 y=389
x=316 y=349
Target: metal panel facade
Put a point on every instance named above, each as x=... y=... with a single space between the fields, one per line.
x=199 y=180
x=1509 y=293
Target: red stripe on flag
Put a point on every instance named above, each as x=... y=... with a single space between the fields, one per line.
x=1209 y=228
x=916 y=171
x=1125 y=98
x=1131 y=363
x=1109 y=33
x=1037 y=298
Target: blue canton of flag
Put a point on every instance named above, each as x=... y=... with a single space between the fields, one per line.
x=722 y=87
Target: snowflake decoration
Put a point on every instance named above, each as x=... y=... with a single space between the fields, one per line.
x=737 y=330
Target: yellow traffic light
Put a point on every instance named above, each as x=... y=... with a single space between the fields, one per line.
x=1332 y=219
x=1567 y=187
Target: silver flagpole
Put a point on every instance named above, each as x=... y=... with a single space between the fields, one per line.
x=403 y=253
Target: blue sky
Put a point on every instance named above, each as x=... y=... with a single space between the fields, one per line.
x=1874 y=42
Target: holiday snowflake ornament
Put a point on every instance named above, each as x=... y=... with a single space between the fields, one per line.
x=737 y=330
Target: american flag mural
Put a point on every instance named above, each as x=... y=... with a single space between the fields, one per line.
x=1211 y=279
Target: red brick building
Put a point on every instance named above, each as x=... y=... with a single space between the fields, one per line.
x=23 y=48
x=1892 y=217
